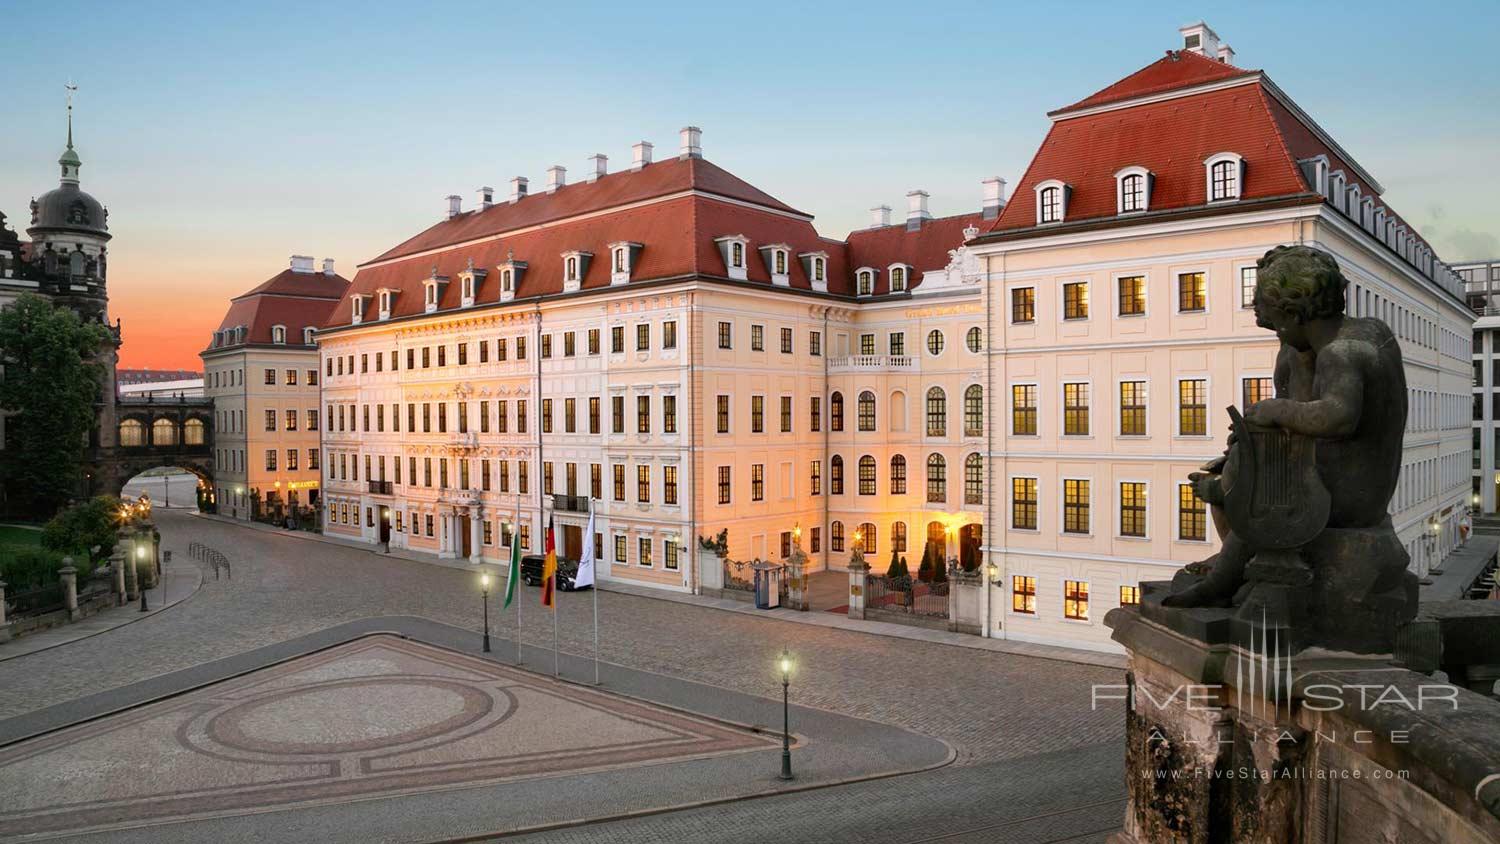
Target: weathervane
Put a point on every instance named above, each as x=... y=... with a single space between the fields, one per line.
x=71 y=89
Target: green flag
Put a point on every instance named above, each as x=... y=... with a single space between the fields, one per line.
x=514 y=575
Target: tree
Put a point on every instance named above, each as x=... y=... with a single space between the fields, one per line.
x=52 y=381
x=82 y=527
x=924 y=571
x=895 y=568
x=939 y=567
x=905 y=572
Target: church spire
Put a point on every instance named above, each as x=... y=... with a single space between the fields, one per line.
x=70 y=161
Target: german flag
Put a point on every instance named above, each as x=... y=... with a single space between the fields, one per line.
x=549 y=570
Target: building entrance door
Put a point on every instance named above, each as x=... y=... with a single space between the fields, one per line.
x=464 y=538
x=572 y=541
x=385 y=525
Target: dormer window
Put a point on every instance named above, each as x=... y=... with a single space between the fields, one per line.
x=623 y=258
x=469 y=282
x=358 y=315
x=776 y=257
x=278 y=335
x=507 y=283
x=511 y=275
x=780 y=262
x=1051 y=201
x=819 y=270
x=1133 y=190
x=815 y=264
x=575 y=267
x=732 y=248
x=307 y=336
x=899 y=273
x=737 y=255
x=864 y=282
x=432 y=296
x=1225 y=174
x=387 y=298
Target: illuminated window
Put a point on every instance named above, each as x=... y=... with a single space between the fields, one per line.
x=1023 y=594
x=1023 y=503
x=1132 y=295
x=1075 y=506
x=1192 y=521
x=1132 y=408
x=1132 y=509
x=1076 y=599
x=1076 y=300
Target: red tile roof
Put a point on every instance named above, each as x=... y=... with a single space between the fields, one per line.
x=659 y=179
x=1179 y=69
x=678 y=236
x=292 y=299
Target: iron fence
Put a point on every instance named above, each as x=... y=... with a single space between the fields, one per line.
x=205 y=554
x=906 y=595
x=43 y=599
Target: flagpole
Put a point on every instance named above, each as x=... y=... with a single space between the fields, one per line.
x=556 y=604
x=515 y=560
x=595 y=588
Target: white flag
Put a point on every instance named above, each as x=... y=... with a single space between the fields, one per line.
x=585 y=576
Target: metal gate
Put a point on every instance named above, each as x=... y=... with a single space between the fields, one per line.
x=905 y=596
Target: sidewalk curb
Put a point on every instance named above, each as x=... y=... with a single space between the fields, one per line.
x=1055 y=653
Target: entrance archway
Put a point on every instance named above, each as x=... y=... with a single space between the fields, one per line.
x=170 y=487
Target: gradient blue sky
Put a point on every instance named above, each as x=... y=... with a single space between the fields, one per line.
x=224 y=138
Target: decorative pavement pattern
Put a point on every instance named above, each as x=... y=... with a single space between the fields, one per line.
x=379 y=716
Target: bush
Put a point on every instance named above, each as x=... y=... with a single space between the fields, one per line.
x=28 y=568
x=905 y=572
x=924 y=571
x=939 y=569
x=78 y=529
x=895 y=568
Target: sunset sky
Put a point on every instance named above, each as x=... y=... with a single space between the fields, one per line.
x=224 y=139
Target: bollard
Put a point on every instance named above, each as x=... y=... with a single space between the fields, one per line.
x=69 y=577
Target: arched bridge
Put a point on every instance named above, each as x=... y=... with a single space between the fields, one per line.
x=156 y=431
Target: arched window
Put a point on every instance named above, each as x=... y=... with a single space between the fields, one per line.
x=974 y=479
x=898 y=411
x=866 y=283
x=572 y=269
x=278 y=334
x=163 y=432
x=937 y=479
x=937 y=412
x=836 y=536
x=836 y=412
x=974 y=411
x=192 y=432
x=898 y=279
x=898 y=475
x=867 y=475
x=737 y=254
x=937 y=540
x=898 y=537
x=1223 y=176
x=132 y=433
x=974 y=339
x=1051 y=204
x=867 y=411
x=867 y=537
x=836 y=475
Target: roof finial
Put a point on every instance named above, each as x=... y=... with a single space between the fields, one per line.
x=70 y=89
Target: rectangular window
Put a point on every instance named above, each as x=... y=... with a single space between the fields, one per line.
x=1023 y=503
x=643 y=414
x=786 y=414
x=815 y=343
x=291 y=420
x=291 y=377
x=1023 y=594
x=593 y=341
x=570 y=414
x=643 y=337
x=271 y=376
x=757 y=481
x=546 y=346
x=669 y=414
x=521 y=416
x=724 y=486
x=1132 y=509
x=617 y=414
x=1023 y=305
x=1075 y=506
x=757 y=414
x=1192 y=292
x=271 y=419
x=1132 y=295
x=1023 y=410
x=1132 y=408
x=726 y=338
x=270 y=460
x=1130 y=595
x=570 y=345
x=643 y=546
x=669 y=484
x=596 y=480
x=484 y=417
x=1255 y=390
x=669 y=335
x=620 y=546
x=1076 y=599
x=1192 y=522
x=896 y=343
x=786 y=341
x=816 y=411
x=867 y=344
x=721 y=408
x=593 y=414
x=643 y=483
x=502 y=416
x=617 y=480
x=617 y=339
x=521 y=355
x=757 y=338
x=1192 y=407
x=1247 y=286
x=1076 y=300
x=1076 y=409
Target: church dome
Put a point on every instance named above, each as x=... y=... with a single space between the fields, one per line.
x=68 y=209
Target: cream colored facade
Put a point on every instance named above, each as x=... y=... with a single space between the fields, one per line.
x=768 y=354
x=266 y=426
x=1219 y=347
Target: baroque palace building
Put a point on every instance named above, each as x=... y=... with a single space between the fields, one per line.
x=677 y=345
x=1118 y=288
x=261 y=372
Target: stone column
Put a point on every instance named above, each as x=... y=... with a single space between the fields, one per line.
x=858 y=571
x=117 y=567
x=69 y=576
x=476 y=549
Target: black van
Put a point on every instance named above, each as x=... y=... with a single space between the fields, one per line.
x=531 y=571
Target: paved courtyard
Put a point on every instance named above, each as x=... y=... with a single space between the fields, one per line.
x=1002 y=714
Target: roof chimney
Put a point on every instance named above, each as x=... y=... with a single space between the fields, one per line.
x=641 y=152
x=455 y=205
x=486 y=197
x=880 y=216
x=1201 y=39
x=601 y=165
x=557 y=176
x=302 y=263
x=994 y=196
x=916 y=210
x=328 y=266
x=518 y=188
x=692 y=142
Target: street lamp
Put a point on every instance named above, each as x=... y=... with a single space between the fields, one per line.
x=484 y=586
x=785 y=664
x=140 y=557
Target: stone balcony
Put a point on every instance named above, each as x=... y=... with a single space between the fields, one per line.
x=874 y=363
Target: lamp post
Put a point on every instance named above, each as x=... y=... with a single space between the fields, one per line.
x=785 y=664
x=992 y=574
x=140 y=558
x=484 y=586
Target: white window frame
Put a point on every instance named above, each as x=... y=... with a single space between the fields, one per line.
x=307 y=336
x=905 y=277
x=1208 y=404
x=1239 y=280
x=1010 y=509
x=1133 y=170
x=1062 y=201
x=1062 y=283
x=1120 y=503
x=1119 y=431
x=859 y=275
x=357 y=314
x=1208 y=520
x=278 y=335
x=1208 y=176
x=1010 y=409
x=429 y=296
x=1176 y=290
x=1061 y=418
x=1114 y=293
x=1062 y=590
x=385 y=303
x=1062 y=503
